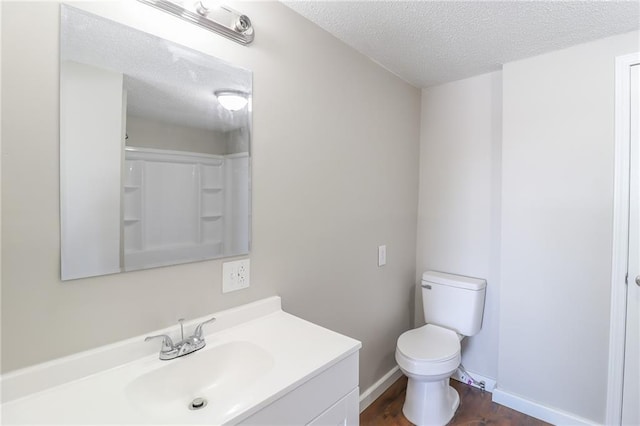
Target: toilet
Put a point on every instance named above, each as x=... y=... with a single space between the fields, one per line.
x=453 y=306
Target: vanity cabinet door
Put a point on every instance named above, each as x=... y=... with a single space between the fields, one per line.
x=314 y=401
x=342 y=413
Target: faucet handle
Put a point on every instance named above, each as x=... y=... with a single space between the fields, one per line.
x=181 y=321
x=167 y=343
x=198 y=332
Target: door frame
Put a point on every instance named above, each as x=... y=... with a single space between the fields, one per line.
x=620 y=254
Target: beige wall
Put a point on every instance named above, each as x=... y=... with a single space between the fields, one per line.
x=459 y=203
x=149 y=133
x=557 y=199
x=335 y=174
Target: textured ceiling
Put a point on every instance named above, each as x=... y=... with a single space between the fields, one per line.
x=164 y=81
x=431 y=42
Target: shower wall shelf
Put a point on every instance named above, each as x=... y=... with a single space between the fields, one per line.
x=181 y=194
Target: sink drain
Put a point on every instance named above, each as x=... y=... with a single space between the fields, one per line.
x=197 y=404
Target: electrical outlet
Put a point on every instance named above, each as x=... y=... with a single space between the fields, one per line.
x=235 y=275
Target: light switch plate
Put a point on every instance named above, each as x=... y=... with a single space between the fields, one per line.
x=382 y=255
x=235 y=275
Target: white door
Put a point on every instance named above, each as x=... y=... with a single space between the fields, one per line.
x=631 y=388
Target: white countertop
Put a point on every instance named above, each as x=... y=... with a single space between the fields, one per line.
x=294 y=350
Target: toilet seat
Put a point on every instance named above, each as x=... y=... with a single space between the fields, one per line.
x=428 y=350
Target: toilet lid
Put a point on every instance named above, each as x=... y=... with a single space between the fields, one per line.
x=429 y=343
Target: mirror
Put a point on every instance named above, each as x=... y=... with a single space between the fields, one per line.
x=154 y=170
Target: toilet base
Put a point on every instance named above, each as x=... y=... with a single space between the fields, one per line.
x=430 y=403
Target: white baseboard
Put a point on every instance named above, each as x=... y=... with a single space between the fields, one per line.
x=539 y=411
x=533 y=409
x=489 y=383
x=378 y=388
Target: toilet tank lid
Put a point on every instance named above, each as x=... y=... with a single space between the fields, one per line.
x=459 y=281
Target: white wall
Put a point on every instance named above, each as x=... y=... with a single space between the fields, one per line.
x=459 y=206
x=332 y=178
x=91 y=123
x=557 y=198
x=237 y=204
x=547 y=253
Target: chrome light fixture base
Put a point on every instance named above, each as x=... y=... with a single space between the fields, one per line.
x=234 y=25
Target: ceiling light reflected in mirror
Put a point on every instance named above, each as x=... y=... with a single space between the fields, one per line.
x=232 y=100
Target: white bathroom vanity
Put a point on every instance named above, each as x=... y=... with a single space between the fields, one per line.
x=260 y=366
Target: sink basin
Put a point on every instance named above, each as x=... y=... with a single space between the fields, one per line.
x=219 y=374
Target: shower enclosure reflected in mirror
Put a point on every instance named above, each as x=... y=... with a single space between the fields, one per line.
x=154 y=170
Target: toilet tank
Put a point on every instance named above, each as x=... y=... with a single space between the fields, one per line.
x=453 y=301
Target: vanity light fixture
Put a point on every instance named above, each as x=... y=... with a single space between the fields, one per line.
x=219 y=19
x=232 y=100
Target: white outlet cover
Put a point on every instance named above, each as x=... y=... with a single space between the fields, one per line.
x=235 y=275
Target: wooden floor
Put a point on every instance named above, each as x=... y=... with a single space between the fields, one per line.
x=476 y=409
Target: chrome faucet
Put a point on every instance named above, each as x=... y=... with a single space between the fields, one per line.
x=195 y=342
